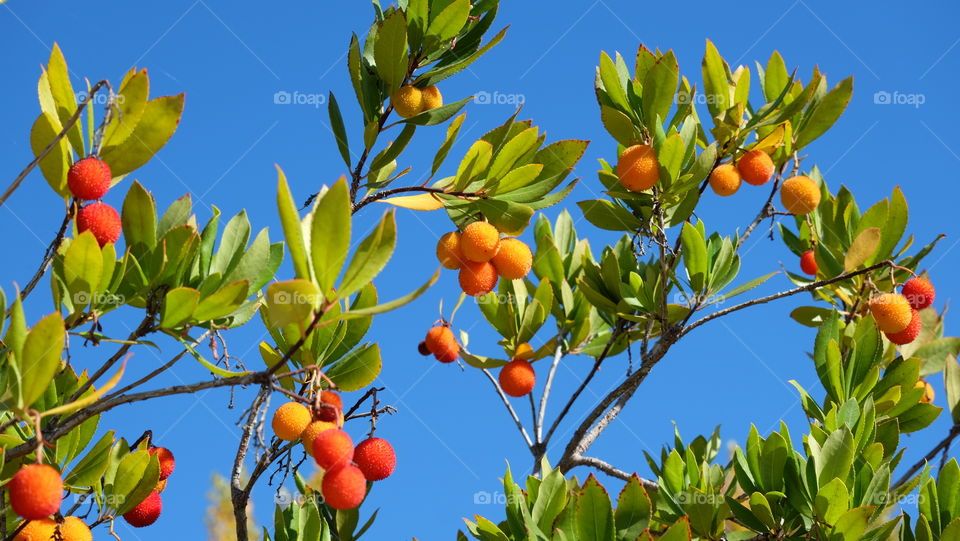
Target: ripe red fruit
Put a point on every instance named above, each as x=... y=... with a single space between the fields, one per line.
x=36 y=491
x=449 y=355
x=919 y=292
x=808 y=263
x=343 y=487
x=146 y=512
x=102 y=220
x=167 y=462
x=375 y=458
x=332 y=448
x=331 y=407
x=422 y=349
x=89 y=178
x=910 y=333
x=517 y=378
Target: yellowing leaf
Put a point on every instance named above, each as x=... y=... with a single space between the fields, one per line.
x=89 y=399
x=773 y=140
x=423 y=201
x=862 y=249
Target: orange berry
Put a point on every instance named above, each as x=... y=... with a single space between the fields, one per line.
x=517 y=378
x=755 y=167
x=439 y=339
x=375 y=458
x=290 y=419
x=343 y=487
x=919 y=292
x=167 y=463
x=431 y=98
x=523 y=351
x=448 y=355
x=313 y=430
x=36 y=491
x=332 y=448
x=102 y=220
x=478 y=278
x=910 y=333
x=725 y=180
x=448 y=250
x=89 y=178
x=514 y=259
x=407 y=101
x=73 y=529
x=808 y=263
x=928 y=393
x=638 y=168
x=146 y=512
x=37 y=530
x=800 y=195
x=891 y=311
x=479 y=242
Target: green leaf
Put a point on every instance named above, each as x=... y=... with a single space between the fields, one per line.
x=438 y=115
x=371 y=256
x=178 y=307
x=743 y=288
x=694 y=256
x=291 y=302
x=512 y=151
x=157 y=123
x=594 y=514
x=390 y=51
x=863 y=249
x=452 y=131
x=680 y=531
x=610 y=78
x=951 y=381
x=836 y=456
x=358 y=369
x=91 y=467
x=852 y=524
x=394 y=304
x=131 y=102
x=825 y=113
x=339 y=130
x=40 y=359
x=775 y=78
x=390 y=153
x=619 y=125
x=518 y=178
x=608 y=215
x=292 y=228
x=223 y=302
x=633 y=510
x=55 y=164
x=82 y=269
x=330 y=235
x=448 y=23
x=659 y=89
x=715 y=82
x=64 y=98
x=833 y=499
x=139 y=218
x=136 y=477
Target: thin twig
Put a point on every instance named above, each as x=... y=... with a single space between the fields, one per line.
x=944 y=444
x=548 y=386
x=611 y=470
x=510 y=410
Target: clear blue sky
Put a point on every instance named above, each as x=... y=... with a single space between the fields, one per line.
x=451 y=435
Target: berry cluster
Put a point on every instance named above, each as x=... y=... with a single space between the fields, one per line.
x=483 y=257
x=148 y=511
x=346 y=468
x=89 y=180
x=409 y=100
x=898 y=314
x=441 y=342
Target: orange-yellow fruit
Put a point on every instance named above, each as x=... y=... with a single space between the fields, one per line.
x=89 y=178
x=146 y=512
x=478 y=278
x=638 y=168
x=35 y=491
x=891 y=311
x=800 y=195
x=313 y=430
x=432 y=98
x=73 y=529
x=513 y=260
x=725 y=180
x=910 y=333
x=375 y=458
x=517 y=378
x=407 y=101
x=290 y=420
x=167 y=463
x=37 y=530
x=928 y=392
x=331 y=407
x=919 y=292
x=755 y=167
x=524 y=351
x=808 y=263
x=343 y=487
x=439 y=339
x=479 y=242
x=332 y=448
x=448 y=355
x=448 y=250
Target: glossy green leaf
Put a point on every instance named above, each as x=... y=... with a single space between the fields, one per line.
x=330 y=235
x=825 y=113
x=371 y=256
x=40 y=358
x=358 y=369
x=390 y=51
x=157 y=123
x=178 y=307
x=55 y=164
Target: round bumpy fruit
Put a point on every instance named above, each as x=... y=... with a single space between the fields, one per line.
x=808 y=263
x=332 y=448
x=439 y=339
x=35 y=491
x=928 y=393
x=289 y=420
x=343 y=487
x=146 y=512
x=517 y=378
x=167 y=462
x=478 y=278
x=891 y=311
x=161 y=486
x=479 y=242
x=375 y=458
x=37 y=530
x=523 y=351
x=638 y=168
x=513 y=260
x=431 y=98
x=755 y=167
x=919 y=292
x=910 y=333
x=102 y=220
x=448 y=250
x=89 y=178
x=73 y=529
x=407 y=101
x=725 y=180
x=313 y=430
x=800 y=195
x=448 y=355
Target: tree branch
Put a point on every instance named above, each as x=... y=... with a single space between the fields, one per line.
x=548 y=386
x=944 y=444
x=237 y=490
x=611 y=470
x=510 y=410
x=423 y=189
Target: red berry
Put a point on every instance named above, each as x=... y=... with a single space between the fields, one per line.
x=331 y=407
x=808 y=263
x=517 y=378
x=919 y=292
x=102 y=220
x=375 y=458
x=167 y=462
x=332 y=448
x=36 y=491
x=343 y=487
x=89 y=178
x=146 y=512
x=910 y=333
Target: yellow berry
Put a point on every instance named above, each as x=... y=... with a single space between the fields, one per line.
x=407 y=101
x=800 y=195
x=479 y=242
x=513 y=260
x=638 y=168
x=725 y=180
x=431 y=98
x=448 y=250
x=290 y=420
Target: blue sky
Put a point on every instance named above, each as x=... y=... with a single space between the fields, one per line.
x=451 y=434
